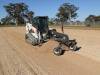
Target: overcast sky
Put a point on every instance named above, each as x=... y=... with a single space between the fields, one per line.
x=50 y=7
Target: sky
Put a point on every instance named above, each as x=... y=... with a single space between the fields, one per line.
x=50 y=7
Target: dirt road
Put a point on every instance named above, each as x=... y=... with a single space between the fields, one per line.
x=19 y=58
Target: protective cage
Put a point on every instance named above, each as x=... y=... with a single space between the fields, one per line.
x=41 y=23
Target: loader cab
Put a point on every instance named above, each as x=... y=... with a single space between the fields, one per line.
x=41 y=23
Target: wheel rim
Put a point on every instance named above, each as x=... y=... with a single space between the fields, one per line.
x=70 y=47
x=57 y=51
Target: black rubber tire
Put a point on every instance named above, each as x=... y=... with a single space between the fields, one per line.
x=58 y=51
x=54 y=30
x=30 y=41
x=26 y=36
x=74 y=48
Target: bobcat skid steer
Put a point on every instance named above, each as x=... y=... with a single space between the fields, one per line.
x=41 y=24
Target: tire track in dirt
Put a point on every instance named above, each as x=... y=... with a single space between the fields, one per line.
x=68 y=64
x=14 y=62
x=17 y=49
x=1 y=69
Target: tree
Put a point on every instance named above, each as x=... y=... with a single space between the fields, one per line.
x=16 y=10
x=66 y=12
x=7 y=20
x=0 y=22
x=90 y=20
x=3 y=21
x=30 y=15
x=97 y=18
x=56 y=21
x=51 y=21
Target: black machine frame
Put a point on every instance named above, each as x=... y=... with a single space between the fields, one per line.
x=41 y=23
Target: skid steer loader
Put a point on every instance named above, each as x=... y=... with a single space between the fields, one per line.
x=41 y=24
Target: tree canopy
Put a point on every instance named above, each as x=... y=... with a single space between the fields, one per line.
x=16 y=11
x=66 y=12
x=92 y=19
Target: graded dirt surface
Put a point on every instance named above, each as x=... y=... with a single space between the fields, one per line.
x=20 y=58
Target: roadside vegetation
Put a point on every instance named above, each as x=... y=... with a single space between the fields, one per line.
x=65 y=17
